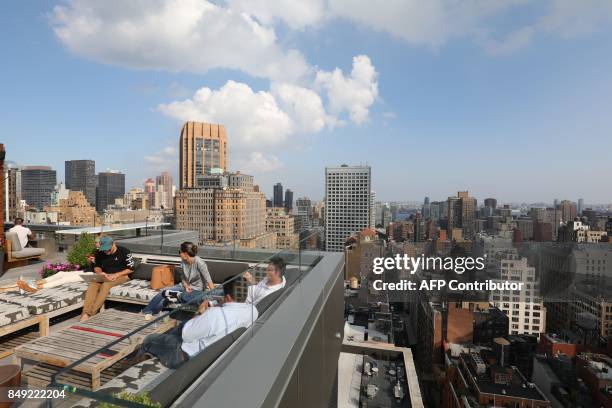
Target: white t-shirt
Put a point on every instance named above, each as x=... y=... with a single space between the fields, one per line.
x=261 y=290
x=22 y=233
x=216 y=322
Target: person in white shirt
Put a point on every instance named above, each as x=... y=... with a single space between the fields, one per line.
x=274 y=280
x=24 y=233
x=212 y=324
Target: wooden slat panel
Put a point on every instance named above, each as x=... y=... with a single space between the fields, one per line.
x=75 y=342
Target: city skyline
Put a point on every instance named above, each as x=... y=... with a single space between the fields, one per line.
x=412 y=202
x=502 y=112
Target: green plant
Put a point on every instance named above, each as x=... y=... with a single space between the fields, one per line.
x=85 y=246
x=143 y=399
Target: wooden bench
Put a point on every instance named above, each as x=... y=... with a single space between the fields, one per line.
x=73 y=343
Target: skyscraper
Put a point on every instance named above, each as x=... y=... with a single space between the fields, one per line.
x=426 y=209
x=568 y=210
x=80 y=175
x=149 y=189
x=303 y=213
x=163 y=184
x=462 y=215
x=203 y=151
x=347 y=203
x=580 y=206
x=454 y=216
x=277 y=200
x=490 y=202
x=111 y=185
x=288 y=201
x=37 y=184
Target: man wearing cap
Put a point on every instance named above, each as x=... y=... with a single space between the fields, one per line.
x=114 y=263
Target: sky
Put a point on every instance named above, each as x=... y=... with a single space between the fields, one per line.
x=505 y=98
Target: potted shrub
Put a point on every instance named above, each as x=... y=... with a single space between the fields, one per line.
x=84 y=247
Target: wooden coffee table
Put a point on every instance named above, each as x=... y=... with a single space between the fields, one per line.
x=77 y=341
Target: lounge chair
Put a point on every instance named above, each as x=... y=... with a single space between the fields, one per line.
x=16 y=254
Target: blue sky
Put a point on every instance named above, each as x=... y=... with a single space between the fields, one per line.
x=507 y=99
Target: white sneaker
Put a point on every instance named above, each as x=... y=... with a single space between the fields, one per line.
x=148 y=317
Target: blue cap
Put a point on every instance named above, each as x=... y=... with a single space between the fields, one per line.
x=106 y=243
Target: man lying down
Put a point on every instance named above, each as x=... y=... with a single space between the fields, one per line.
x=208 y=326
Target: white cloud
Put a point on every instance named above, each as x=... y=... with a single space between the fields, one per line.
x=433 y=23
x=353 y=94
x=174 y=35
x=296 y=14
x=276 y=119
x=270 y=119
x=304 y=106
x=258 y=162
x=253 y=119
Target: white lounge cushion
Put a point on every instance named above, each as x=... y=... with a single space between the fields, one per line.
x=11 y=313
x=14 y=238
x=28 y=252
x=47 y=300
x=136 y=289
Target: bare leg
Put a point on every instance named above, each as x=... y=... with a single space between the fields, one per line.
x=9 y=288
x=25 y=286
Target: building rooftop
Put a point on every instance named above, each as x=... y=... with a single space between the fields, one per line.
x=497 y=380
x=599 y=365
x=115 y=228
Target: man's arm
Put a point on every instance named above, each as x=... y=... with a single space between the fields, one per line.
x=96 y=264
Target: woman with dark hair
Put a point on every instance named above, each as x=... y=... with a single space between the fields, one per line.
x=195 y=279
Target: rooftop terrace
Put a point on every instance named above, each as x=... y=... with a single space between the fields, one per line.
x=288 y=357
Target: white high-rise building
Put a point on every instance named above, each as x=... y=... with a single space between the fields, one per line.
x=348 y=203
x=524 y=308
